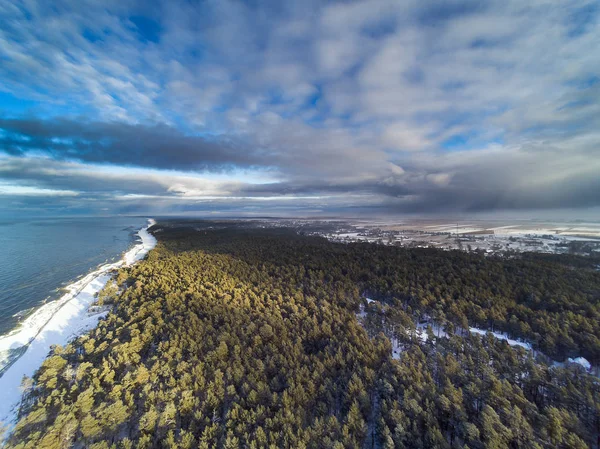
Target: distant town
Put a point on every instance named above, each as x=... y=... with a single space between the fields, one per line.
x=489 y=237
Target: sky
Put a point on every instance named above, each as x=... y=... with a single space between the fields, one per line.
x=299 y=108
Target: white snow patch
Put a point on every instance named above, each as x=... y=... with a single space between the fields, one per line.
x=347 y=235
x=500 y=336
x=438 y=331
x=422 y=334
x=396 y=349
x=582 y=361
x=362 y=313
x=56 y=323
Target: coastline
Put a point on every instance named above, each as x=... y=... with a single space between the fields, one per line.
x=56 y=323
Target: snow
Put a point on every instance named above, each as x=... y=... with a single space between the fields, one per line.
x=138 y=252
x=396 y=349
x=500 y=336
x=454 y=228
x=579 y=236
x=362 y=314
x=582 y=361
x=347 y=234
x=422 y=335
x=438 y=331
x=579 y=360
x=56 y=323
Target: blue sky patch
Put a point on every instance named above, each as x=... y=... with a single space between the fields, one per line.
x=148 y=29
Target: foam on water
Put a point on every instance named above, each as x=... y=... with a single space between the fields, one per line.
x=56 y=323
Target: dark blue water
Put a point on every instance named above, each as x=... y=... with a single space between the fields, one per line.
x=38 y=257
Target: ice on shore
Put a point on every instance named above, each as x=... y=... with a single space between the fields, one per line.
x=56 y=323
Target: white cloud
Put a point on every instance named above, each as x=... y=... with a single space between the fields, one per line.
x=17 y=190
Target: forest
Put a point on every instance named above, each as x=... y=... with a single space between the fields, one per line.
x=229 y=336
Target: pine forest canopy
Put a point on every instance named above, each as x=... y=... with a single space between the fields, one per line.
x=232 y=337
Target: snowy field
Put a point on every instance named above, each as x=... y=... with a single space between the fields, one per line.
x=56 y=323
x=487 y=236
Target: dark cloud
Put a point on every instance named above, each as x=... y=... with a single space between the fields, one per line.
x=45 y=173
x=297 y=152
x=158 y=146
x=527 y=178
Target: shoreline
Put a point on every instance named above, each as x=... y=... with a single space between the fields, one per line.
x=56 y=323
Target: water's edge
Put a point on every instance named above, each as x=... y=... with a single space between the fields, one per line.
x=56 y=323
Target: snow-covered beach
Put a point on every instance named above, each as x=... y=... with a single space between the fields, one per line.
x=56 y=323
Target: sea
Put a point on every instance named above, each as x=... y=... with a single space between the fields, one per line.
x=40 y=258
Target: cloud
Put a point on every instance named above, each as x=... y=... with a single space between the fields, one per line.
x=158 y=146
x=12 y=190
x=291 y=149
x=405 y=106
